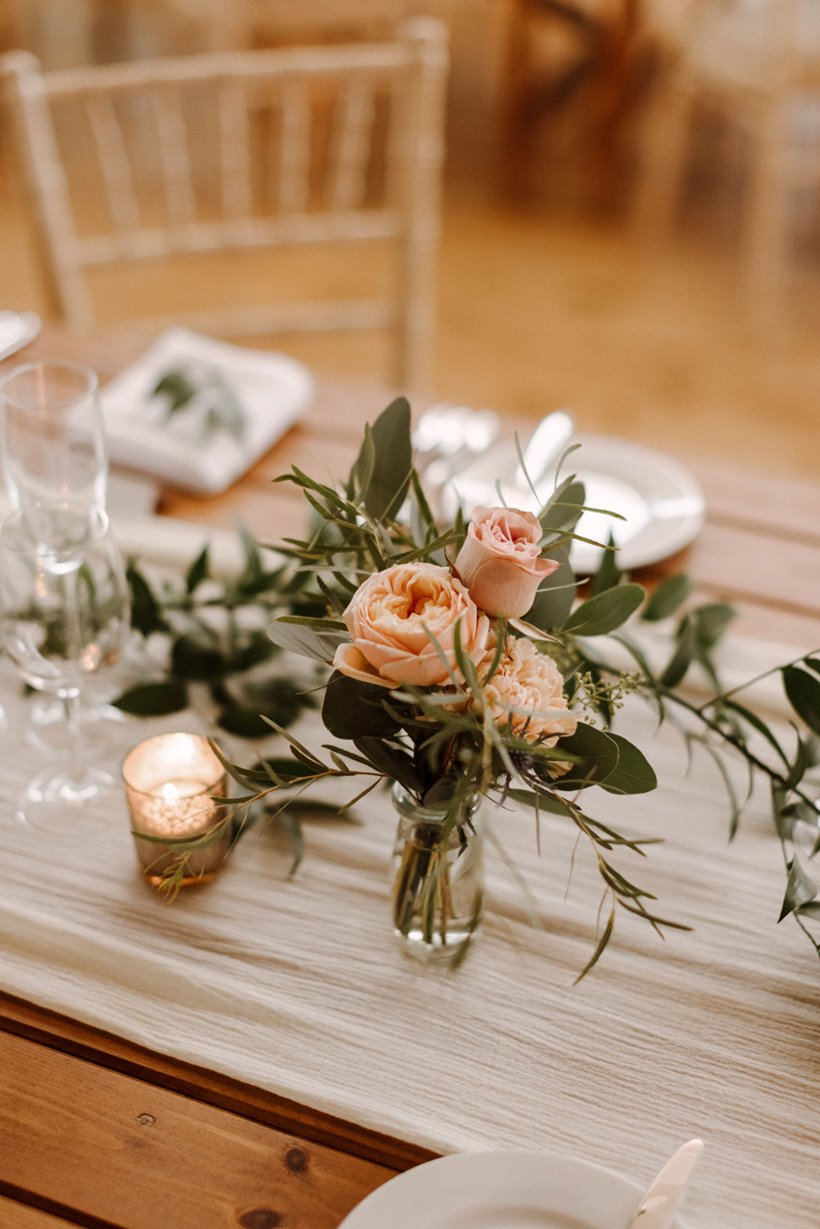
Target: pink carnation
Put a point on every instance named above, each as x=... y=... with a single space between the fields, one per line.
x=527 y=693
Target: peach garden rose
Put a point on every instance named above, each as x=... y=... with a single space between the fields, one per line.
x=500 y=561
x=403 y=623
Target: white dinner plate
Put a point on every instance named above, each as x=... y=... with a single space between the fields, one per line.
x=660 y=499
x=501 y=1190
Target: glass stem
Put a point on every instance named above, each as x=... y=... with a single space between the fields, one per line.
x=70 y=696
x=71 y=706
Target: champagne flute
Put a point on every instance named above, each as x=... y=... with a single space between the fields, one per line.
x=64 y=615
x=55 y=467
x=52 y=445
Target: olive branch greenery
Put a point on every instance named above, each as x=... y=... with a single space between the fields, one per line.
x=444 y=753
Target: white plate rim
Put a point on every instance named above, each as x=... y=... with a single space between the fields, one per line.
x=634 y=463
x=663 y=536
x=551 y=1182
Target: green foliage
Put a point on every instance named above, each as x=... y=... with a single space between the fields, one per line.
x=803 y=692
x=609 y=574
x=356 y=710
x=203 y=393
x=669 y=596
x=605 y=612
x=381 y=475
x=555 y=595
x=214 y=634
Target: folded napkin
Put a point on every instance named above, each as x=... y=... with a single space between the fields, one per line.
x=222 y=408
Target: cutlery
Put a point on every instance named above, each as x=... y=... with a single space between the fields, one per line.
x=544 y=446
x=659 y=1204
x=17 y=329
x=448 y=435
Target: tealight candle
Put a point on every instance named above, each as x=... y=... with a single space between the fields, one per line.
x=172 y=785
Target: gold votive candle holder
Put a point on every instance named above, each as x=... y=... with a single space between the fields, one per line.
x=182 y=833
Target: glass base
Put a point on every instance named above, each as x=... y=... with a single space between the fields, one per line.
x=48 y=728
x=63 y=802
x=438 y=950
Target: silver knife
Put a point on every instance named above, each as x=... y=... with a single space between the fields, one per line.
x=659 y=1204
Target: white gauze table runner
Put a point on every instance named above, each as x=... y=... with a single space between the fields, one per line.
x=297 y=987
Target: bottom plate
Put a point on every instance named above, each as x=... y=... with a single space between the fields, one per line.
x=501 y=1190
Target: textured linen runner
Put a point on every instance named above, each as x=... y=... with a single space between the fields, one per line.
x=296 y=986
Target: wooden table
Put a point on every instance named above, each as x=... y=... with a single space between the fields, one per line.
x=272 y=1162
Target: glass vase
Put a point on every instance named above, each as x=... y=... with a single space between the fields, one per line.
x=437 y=878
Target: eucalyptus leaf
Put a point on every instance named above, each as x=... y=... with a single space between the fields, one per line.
x=682 y=658
x=669 y=596
x=803 y=692
x=800 y=890
x=609 y=574
x=563 y=509
x=800 y=763
x=198 y=570
x=384 y=472
x=146 y=611
x=390 y=760
x=633 y=774
x=195 y=659
x=153 y=699
x=539 y=800
x=710 y=622
x=555 y=595
x=595 y=756
x=605 y=612
x=354 y=710
x=299 y=637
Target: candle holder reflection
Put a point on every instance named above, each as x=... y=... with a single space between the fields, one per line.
x=182 y=833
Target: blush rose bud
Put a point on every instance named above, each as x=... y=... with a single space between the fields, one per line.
x=500 y=562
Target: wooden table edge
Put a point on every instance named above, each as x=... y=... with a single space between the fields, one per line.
x=43 y=1026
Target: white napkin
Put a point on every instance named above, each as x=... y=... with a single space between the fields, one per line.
x=271 y=390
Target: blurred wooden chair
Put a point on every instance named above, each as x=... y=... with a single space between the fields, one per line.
x=334 y=147
x=559 y=52
x=753 y=64
x=248 y=23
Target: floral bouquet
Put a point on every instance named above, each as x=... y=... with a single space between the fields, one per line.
x=462 y=665
x=457 y=674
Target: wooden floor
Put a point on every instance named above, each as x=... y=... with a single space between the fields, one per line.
x=542 y=306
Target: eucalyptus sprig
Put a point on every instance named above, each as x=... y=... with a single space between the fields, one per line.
x=726 y=730
x=212 y=633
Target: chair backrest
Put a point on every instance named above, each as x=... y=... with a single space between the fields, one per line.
x=333 y=146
